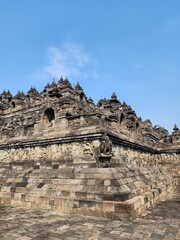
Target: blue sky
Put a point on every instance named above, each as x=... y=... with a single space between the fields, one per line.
x=127 y=46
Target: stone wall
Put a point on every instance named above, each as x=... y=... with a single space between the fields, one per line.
x=81 y=150
x=76 y=151
x=172 y=162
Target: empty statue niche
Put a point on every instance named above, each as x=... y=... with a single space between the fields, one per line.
x=49 y=116
x=122 y=121
x=28 y=98
x=13 y=105
x=137 y=126
x=81 y=96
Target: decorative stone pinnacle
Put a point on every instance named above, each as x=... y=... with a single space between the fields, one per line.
x=113 y=96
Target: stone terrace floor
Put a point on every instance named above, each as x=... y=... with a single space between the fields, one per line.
x=160 y=222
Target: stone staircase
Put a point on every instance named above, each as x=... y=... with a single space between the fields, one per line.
x=121 y=193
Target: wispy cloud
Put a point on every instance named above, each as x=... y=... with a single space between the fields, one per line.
x=137 y=66
x=70 y=60
x=172 y=25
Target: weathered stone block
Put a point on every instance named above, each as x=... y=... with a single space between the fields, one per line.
x=108 y=206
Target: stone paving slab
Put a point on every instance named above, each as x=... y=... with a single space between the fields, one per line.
x=160 y=222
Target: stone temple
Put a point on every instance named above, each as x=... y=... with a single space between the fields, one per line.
x=61 y=151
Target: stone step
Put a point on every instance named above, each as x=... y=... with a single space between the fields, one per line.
x=112 y=192
x=122 y=210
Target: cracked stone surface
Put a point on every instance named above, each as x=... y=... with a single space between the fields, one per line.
x=161 y=221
